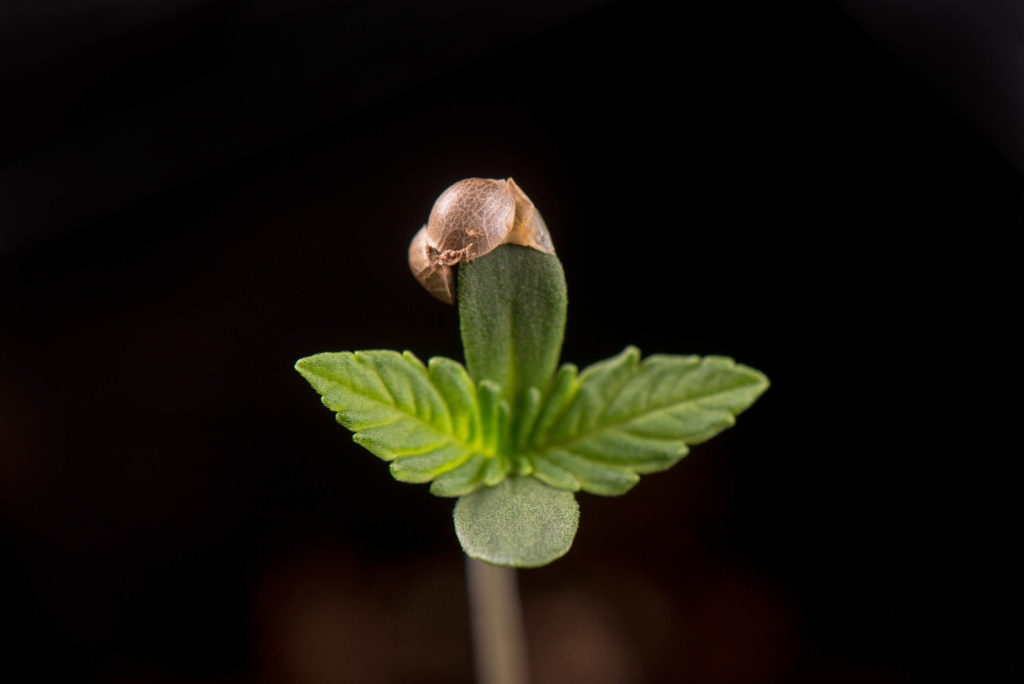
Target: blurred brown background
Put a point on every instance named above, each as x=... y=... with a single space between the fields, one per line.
x=195 y=193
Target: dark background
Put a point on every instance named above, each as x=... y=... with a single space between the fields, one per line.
x=195 y=193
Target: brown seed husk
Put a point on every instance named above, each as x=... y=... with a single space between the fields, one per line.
x=468 y=220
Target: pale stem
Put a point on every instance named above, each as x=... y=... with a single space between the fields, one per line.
x=496 y=617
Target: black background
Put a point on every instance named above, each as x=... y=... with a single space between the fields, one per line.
x=196 y=197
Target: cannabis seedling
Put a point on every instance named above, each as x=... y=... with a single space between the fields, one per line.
x=510 y=434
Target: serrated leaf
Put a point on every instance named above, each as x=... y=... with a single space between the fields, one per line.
x=427 y=422
x=520 y=522
x=622 y=418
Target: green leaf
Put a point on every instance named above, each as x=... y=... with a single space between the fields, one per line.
x=426 y=421
x=520 y=522
x=622 y=418
x=512 y=310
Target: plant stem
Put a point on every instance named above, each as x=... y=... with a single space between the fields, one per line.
x=496 y=617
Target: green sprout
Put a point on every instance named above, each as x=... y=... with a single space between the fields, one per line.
x=511 y=434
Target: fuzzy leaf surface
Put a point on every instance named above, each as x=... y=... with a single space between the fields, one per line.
x=512 y=312
x=425 y=420
x=521 y=522
x=622 y=417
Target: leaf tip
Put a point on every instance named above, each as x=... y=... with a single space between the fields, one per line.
x=311 y=367
x=412 y=358
x=490 y=385
x=761 y=379
x=303 y=365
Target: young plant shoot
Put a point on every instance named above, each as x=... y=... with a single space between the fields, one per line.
x=510 y=434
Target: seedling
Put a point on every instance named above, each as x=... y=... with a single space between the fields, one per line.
x=510 y=435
